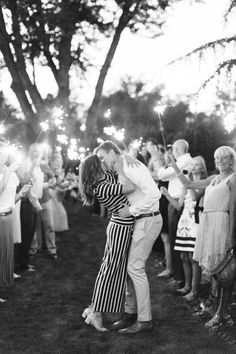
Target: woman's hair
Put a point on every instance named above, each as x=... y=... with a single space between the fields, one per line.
x=204 y=173
x=227 y=151
x=90 y=170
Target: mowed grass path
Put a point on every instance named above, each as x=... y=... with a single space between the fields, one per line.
x=44 y=313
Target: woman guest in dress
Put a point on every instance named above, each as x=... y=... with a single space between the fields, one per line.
x=8 y=185
x=217 y=226
x=188 y=228
x=109 y=290
x=58 y=193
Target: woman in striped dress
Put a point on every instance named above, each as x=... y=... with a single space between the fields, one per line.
x=109 y=287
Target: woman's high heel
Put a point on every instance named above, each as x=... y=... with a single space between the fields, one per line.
x=91 y=320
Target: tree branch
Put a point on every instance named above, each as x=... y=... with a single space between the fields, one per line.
x=227 y=64
x=20 y=63
x=209 y=45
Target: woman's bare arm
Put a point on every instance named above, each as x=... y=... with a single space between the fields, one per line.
x=232 y=209
x=200 y=184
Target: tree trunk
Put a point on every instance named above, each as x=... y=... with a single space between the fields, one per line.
x=17 y=84
x=93 y=111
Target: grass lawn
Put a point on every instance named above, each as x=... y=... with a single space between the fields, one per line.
x=44 y=313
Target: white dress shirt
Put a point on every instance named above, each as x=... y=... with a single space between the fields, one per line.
x=8 y=196
x=37 y=177
x=168 y=174
x=145 y=198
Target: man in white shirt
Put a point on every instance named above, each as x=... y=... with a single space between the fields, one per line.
x=148 y=222
x=175 y=188
x=29 y=171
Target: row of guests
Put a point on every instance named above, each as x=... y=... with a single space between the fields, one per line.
x=199 y=229
x=201 y=221
x=30 y=207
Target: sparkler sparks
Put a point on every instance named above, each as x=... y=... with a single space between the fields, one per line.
x=2 y=129
x=44 y=126
x=160 y=109
x=107 y=114
x=230 y=122
x=118 y=134
x=57 y=113
x=137 y=143
x=83 y=127
x=62 y=138
x=100 y=141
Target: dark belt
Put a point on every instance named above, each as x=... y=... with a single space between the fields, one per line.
x=147 y=215
x=6 y=213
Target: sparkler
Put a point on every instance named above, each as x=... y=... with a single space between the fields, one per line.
x=160 y=109
x=63 y=139
x=13 y=153
x=118 y=134
x=44 y=128
x=2 y=129
x=100 y=141
x=230 y=122
x=137 y=143
x=83 y=127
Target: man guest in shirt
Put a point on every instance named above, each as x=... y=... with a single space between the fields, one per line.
x=29 y=171
x=144 y=207
x=183 y=161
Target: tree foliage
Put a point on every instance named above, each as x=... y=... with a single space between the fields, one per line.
x=133 y=109
x=56 y=34
x=214 y=46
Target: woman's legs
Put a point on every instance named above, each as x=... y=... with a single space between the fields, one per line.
x=109 y=287
x=187 y=270
x=196 y=278
x=167 y=248
x=224 y=296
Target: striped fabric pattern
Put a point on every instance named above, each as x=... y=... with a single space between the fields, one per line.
x=109 y=193
x=6 y=251
x=109 y=290
x=186 y=244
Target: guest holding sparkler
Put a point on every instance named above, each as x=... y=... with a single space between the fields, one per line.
x=29 y=172
x=216 y=241
x=8 y=185
x=156 y=161
x=45 y=223
x=180 y=152
x=188 y=227
x=109 y=289
x=57 y=193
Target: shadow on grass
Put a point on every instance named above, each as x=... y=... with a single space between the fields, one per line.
x=43 y=314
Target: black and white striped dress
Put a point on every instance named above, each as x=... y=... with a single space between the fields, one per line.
x=109 y=290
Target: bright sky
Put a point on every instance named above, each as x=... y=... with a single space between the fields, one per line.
x=189 y=25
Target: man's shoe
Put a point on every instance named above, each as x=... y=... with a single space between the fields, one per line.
x=126 y=320
x=137 y=327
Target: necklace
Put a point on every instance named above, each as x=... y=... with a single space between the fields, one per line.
x=222 y=176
